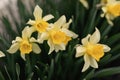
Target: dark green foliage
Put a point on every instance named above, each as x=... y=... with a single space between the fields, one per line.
x=62 y=65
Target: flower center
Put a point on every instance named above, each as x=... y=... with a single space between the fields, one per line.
x=67 y=39
x=41 y=26
x=25 y=47
x=57 y=36
x=114 y=10
x=95 y=50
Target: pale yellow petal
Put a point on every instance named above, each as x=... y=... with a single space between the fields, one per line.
x=36 y=49
x=93 y=62
x=42 y=37
x=87 y=63
x=37 y=13
x=109 y=19
x=85 y=40
x=31 y=22
x=14 y=47
x=66 y=25
x=85 y=3
x=59 y=47
x=95 y=37
x=80 y=50
x=23 y=56
x=51 y=45
x=106 y=48
x=32 y=39
x=2 y=54
x=60 y=22
x=69 y=33
x=17 y=39
x=27 y=32
x=48 y=17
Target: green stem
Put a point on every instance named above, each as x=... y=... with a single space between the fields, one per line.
x=28 y=70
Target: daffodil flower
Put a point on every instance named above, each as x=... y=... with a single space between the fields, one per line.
x=84 y=3
x=92 y=50
x=25 y=44
x=111 y=10
x=40 y=23
x=58 y=35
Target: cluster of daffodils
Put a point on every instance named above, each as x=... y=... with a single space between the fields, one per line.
x=57 y=35
x=110 y=9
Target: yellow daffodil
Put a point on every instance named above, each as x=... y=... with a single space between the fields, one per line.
x=84 y=3
x=40 y=23
x=24 y=44
x=111 y=10
x=92 y=50
x=58 y=35
x=2 y=54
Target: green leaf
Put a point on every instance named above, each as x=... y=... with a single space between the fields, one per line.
x=113 y=39
x=30 y=76
x=90 y=75
x=107 y=72
x=51 y=70
x=105 y=59
x=18 y=71
x=7 y=73
x=1 y=76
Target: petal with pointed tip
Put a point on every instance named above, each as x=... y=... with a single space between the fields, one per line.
x=85 y=40
x=80 y=51
x=37 y=13
x=60 y=22
x=51 y=46
x=2 y=54
x=95 y=37
x=14 y=47
x=23 y=56
x=106 y=48
x=93 y=62
x=48 y=17
x=69 y=33
x=31 y=22
x=36 y=48
x=87 y=63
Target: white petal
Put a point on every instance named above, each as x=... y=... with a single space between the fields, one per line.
x=80 y=51
x=69 y=33
x=85 y=40
x=2 y=54
x=60 y=22
x=95 y=37
x=37 y=13
x=85 y=3
x=43 y=36
x=87 y=63
x=32 y=39
x=93 y=62
x=66 y=25
x=48 y=17
x=109 y=19
x=36 y=48
x=51 y=45
x=25 y=32
x=14 y=47
x=17 y=39
x=31 y=22
x=106 y=48
x=23 y=56
x=59 y=47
